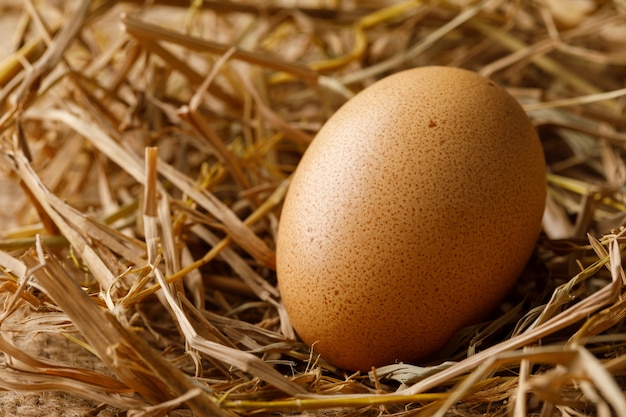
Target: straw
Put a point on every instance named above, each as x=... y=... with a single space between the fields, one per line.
x=146 y=149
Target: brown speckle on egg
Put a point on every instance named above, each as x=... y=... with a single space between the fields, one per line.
x=410 y=216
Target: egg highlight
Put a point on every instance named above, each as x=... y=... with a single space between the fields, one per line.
x=411 y=215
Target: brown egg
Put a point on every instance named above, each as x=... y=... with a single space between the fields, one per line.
x=411 y=215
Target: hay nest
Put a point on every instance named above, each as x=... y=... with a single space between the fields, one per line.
x=145 y=150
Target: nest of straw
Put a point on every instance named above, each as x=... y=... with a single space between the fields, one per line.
x=145 y=150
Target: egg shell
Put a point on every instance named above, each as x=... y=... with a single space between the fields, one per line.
x=411 y=214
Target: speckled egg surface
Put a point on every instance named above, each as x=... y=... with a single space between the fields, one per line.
x=410 y=215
